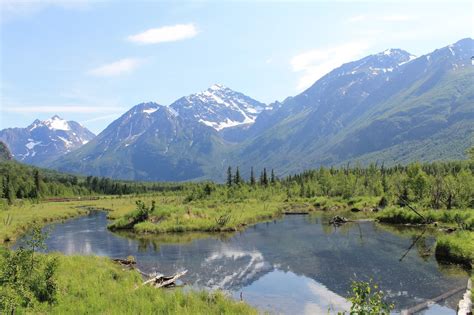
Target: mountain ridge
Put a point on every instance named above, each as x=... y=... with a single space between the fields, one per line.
x=370 y=109
x=43 y=140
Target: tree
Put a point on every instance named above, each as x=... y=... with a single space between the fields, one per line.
x=264 y=178
x=26 y=278
x=252 y=177
x=8 y=190
x=470 y=153
x=272 y=177
x=37 y=179
x=229 y=176
x=237 y=179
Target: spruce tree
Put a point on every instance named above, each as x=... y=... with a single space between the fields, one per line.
x=229 y=176
x=7 y=190
x=272 y=177
x=37 y=183
x=264 y=177
x=237 y=178
x=252 y=177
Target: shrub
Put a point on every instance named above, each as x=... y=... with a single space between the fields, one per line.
x=366 y=299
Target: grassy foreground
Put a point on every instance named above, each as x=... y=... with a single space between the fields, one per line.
x=95 y=285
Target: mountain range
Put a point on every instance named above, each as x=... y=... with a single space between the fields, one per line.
x=391 y=107
x=44 y=141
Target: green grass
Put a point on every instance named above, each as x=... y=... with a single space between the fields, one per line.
x=397 y=215
x=16 y=220
x=457 y=247
x=209 y=216
x=95 y=285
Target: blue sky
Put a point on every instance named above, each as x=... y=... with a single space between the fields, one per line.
x=90 y=61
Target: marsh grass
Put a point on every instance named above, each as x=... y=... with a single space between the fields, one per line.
x=95 y=285
x=464 y=217
x=456 y=247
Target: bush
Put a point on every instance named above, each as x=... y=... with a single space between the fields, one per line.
x=25 y=278
x=367 y=299
x=141 y=214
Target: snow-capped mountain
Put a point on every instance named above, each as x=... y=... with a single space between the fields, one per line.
x=389 y=107
x=148 y=141
x=218 y=107
x=45 y=140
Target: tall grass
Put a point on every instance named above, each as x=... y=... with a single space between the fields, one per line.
x=95 y=285
x=457 y=247
x=463 y=218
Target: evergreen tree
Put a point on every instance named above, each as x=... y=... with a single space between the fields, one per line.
x=237 y=178
x=229 y=176
x=8 y=190
x=252 y=177
x=264 y=177
x=272 y=177
x=37 y=183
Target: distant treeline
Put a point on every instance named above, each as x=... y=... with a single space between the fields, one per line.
x=19 y=181
x=435 y=185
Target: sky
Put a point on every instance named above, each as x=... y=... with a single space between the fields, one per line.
x=90 y=61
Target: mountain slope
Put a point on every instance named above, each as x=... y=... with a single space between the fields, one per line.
x=389 y=107
x=150 y=141
x=418 y=101
x=43 y=141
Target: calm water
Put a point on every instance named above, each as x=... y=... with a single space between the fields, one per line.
x=296 y=265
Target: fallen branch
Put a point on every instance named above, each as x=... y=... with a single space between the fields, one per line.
x=160 y=280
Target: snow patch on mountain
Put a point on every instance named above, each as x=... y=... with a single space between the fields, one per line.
x=30 y=145
x=218 y=107
x=56 y=123
x=150 y=110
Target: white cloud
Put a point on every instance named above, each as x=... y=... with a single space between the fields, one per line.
x=317 y=62
x=165 y=34
x=357 y=18
x=116 y=68
x=396 y=18
x=100 y=118
x=381 y=18
x=61 y=109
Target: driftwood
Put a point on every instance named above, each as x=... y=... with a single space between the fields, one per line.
x=125 y=262
x=160 y=281
x=426 y=304
x=338 y=220
x=155 y=279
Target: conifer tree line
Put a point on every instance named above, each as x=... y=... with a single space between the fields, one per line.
x=236 y=179
x=435 y=185
x=19 y=181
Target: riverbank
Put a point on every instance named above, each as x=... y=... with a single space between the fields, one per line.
x=18 y=218
x=174 y=214
x=96 y=285
x=455 y=245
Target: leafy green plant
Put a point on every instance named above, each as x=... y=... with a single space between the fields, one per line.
x=25 y=278
x=368 y=299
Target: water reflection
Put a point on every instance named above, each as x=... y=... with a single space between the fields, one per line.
x=295 y=265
